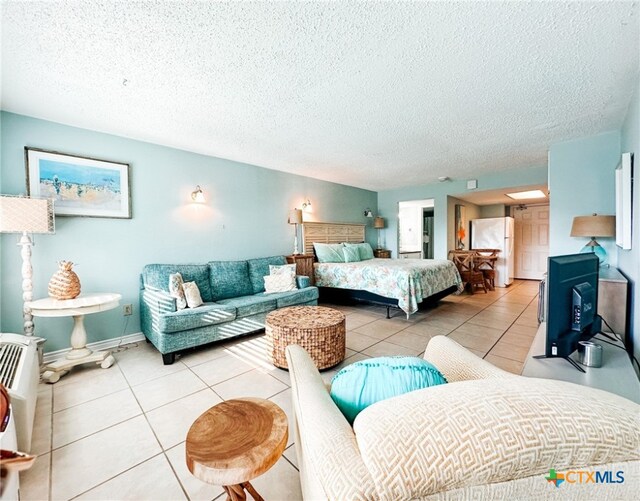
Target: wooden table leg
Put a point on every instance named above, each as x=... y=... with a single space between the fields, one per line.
x=251 y=490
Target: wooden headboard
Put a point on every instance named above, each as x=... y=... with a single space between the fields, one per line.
x=330 y=233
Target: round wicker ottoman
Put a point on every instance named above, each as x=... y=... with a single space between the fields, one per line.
x=319 y=330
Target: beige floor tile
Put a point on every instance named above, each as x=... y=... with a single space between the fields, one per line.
x=477 y=353
x=478 y=343
x=524 y=330
x=250 y=384
x=291 y=455
x=517 y=339
x=444 y=321
x=516 y=298
x=166 y=389
x=86 y=463
x=90 y=417
x=281 y=482
x=487 y=321
x=355 y=320
x=283 y=400
x=489 y=333
x=203 y=354
x=34 y=482
x=171 y=422
x=196 y=489
x=42 y=421
x=511 y=351
x=359 y=342
x=103 y=382
x=385 y=349
x=527 y=321
x=424 y=328
x=153 y=479
x=380 y=329
x=253 y=351
x=505 y=364
x=223 y=368
x=142 y=364
x=409 y=340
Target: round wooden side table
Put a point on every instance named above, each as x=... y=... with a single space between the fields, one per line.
x=236 y=441
x=319 y=330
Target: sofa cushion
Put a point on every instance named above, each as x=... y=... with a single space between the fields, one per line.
x=207 y=314
x=229 y=279
x=259 y=268
x=156 y=276
x=364 y=383
x=291 y=298
x=250 y=305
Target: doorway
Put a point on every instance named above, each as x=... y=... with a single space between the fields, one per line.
x=415 y=229
x=531 y=240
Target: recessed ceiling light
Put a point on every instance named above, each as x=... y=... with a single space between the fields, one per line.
x=521 y=195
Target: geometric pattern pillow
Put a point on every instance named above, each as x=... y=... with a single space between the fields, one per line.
x=286 y=269
x=175 y=290
x=283 y=282
x=192 y=294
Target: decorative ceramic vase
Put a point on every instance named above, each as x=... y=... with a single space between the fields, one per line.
x=64 y=283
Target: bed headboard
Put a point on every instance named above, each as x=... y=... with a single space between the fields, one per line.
x=330 y=233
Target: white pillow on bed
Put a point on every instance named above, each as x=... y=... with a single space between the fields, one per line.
x=329 y=253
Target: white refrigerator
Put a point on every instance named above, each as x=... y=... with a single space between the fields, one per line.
x=496 y=233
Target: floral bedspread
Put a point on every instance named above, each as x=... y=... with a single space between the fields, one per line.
x=407 y=280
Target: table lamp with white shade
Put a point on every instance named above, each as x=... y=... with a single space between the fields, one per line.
x=592 y=227
x=26 y=215
x=295 y=217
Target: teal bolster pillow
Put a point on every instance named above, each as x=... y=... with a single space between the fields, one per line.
x=363 y=383
x=364 y=250
x=329 y=253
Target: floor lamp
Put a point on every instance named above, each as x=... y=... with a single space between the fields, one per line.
x=26 y=215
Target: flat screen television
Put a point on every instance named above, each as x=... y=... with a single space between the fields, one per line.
x=572 y=304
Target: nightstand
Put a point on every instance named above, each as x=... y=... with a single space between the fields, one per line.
x=304 y=265
x=382 y=253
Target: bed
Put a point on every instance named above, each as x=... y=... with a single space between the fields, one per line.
x=403 y=283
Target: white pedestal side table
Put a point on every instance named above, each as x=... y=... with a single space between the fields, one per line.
x=76 y=308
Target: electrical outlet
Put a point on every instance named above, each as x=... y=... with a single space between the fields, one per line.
x=127 y=309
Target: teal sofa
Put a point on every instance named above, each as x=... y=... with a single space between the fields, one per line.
x=234 y=302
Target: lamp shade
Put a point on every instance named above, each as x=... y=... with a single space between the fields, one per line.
x=593 y=226
x=24 y=214
x=295 y=216
x=378 y=223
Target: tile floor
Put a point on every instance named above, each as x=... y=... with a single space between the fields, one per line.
x=119 y=433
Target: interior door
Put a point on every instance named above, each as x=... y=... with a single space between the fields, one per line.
x=531 y=241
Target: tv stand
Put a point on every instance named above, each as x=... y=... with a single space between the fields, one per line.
x=568 y=359
x=615 y=376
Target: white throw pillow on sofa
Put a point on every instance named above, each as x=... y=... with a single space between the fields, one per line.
x=283 y=282
x=192 y=294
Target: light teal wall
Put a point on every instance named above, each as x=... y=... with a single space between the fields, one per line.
x=388 y=201
x=245 y=216
x=581 y=182
x=497 y=210
x=629 y=260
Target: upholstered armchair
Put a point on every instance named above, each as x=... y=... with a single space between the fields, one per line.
x=487 y=434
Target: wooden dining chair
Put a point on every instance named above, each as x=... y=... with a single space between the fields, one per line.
x=485 y=262
x=471 y=277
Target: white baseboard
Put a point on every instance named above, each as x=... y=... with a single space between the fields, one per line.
x=107 y=344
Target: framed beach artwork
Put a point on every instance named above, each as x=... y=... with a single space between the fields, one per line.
x=80 y=186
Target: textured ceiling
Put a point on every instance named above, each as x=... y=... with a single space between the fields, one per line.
x=377 y=95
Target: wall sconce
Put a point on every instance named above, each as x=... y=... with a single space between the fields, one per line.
x=368 y=213
x=197 y=196
x=306 y=206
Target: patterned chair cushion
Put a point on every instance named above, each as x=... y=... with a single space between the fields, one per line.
x=364 y=383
